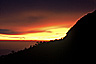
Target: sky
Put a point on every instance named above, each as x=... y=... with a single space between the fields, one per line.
x=40 y=19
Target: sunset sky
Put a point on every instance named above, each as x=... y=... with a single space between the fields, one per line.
x=40 y=19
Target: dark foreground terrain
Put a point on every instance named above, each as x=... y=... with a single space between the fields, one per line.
x=77 y=47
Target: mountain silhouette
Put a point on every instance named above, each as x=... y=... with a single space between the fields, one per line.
x=77 y=47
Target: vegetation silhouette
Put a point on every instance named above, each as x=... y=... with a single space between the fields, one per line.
x=76 y=47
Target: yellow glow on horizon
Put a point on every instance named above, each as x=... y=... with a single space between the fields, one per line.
x=43 y=36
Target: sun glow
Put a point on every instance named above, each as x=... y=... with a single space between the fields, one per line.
x=55 y=33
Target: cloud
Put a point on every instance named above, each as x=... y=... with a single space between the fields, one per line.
x=51 y=5
x=24 y=14
x=39 y=31
x=10 y=32
x=7 y=31
x=34 y=18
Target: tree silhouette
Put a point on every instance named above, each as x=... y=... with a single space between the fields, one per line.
x=13 y=51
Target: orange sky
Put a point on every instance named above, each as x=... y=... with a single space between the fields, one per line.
x=52 y=35
x=40 y=20
x=46 y=25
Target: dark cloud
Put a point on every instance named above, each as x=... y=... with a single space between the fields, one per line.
x=25 y=14
x=7 y=31
x=49 y=5
x=35 y=18
x=39 y=31
x=10 y=32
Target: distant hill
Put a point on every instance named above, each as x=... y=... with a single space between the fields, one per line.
x=76 y=47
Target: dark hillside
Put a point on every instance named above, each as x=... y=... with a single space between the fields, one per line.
x=76 y=47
